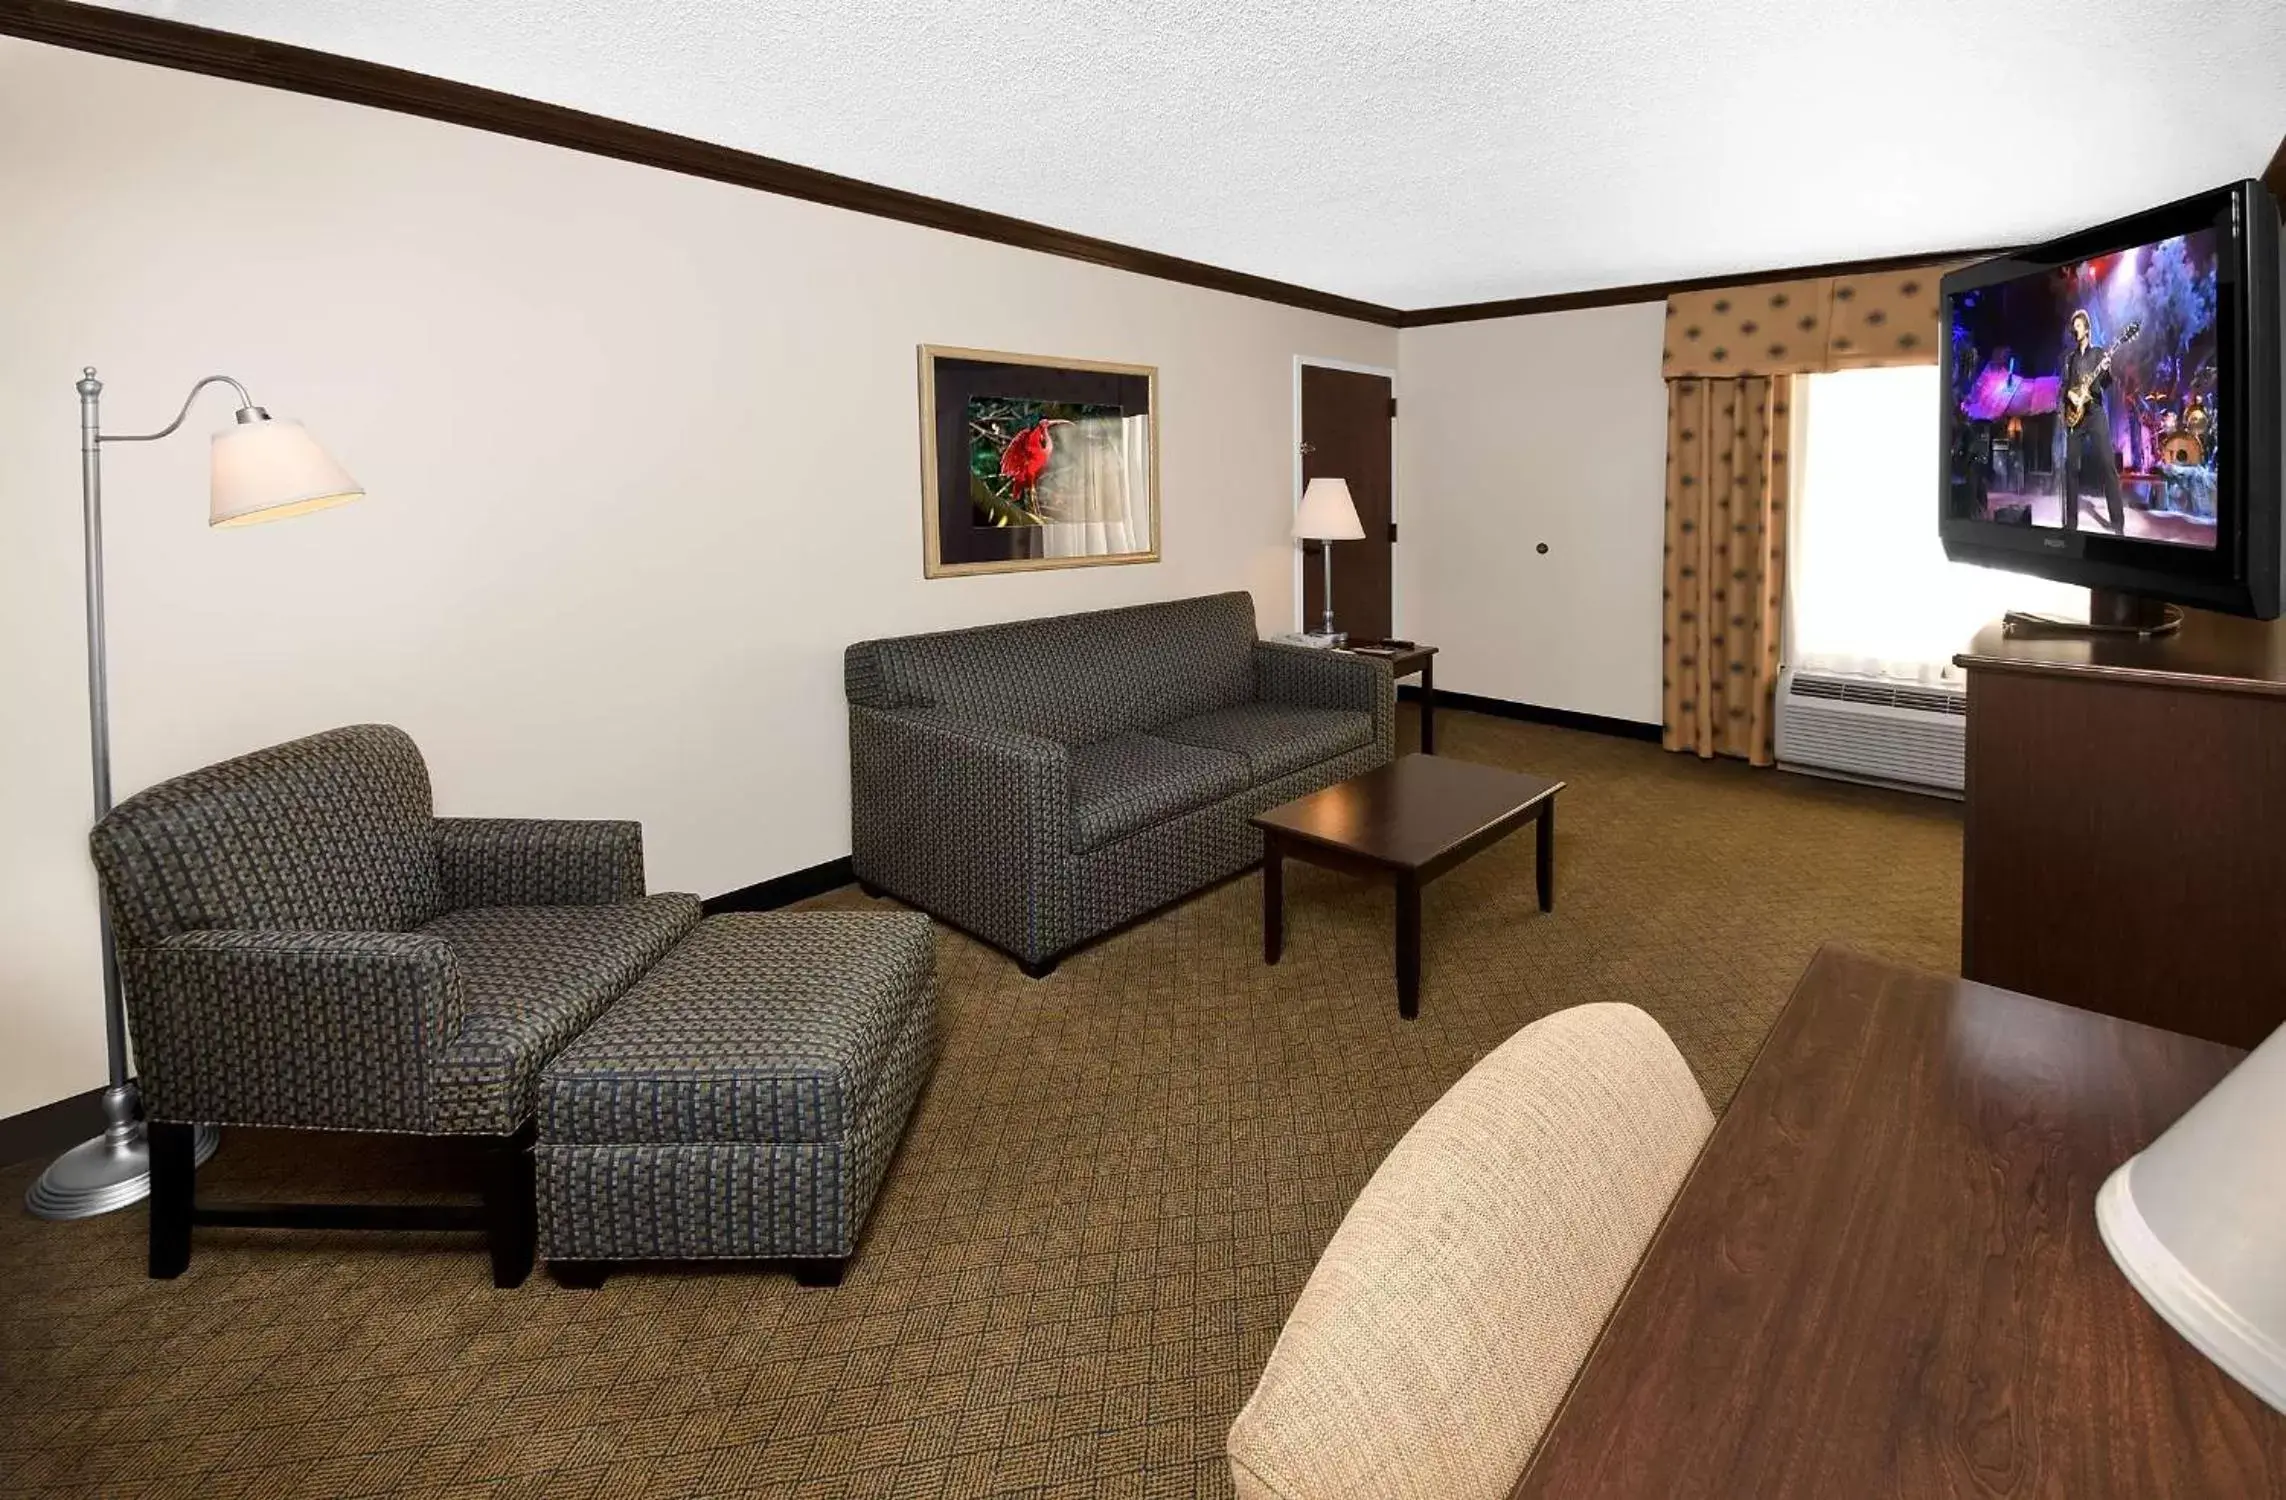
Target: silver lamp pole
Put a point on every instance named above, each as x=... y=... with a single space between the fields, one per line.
x=280 y=472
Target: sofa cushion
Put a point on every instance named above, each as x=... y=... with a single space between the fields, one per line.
x=1277 y=739
x=531 y=978
x=760 y=1026
x=1071 y=678
x=1132 y=781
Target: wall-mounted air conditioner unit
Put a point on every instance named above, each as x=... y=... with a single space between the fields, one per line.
x=1907 y=734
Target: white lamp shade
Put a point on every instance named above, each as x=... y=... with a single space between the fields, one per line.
x=1327 y=514
x=2197 y=1221
x=267 y=469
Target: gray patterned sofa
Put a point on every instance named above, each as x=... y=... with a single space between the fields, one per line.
x=305 y=944
x=1040 y=783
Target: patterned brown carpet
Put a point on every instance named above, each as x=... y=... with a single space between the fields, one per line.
x=1111 y=1192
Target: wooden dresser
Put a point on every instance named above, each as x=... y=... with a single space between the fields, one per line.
x=2126 y=824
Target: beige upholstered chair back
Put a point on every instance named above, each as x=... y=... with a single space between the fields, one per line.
x=1447 y=1317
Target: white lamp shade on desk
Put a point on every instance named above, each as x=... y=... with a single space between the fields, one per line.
x=2197 y=1220
x=266 y=469
x=1327 y=514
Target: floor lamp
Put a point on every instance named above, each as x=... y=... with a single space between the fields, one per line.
x=262 y=469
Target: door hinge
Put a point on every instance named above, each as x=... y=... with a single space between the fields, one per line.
x=1392 y=533
x=1393 y=407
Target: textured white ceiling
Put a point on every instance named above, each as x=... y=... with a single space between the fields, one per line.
x=1420 y=153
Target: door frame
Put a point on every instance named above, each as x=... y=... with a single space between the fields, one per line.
x=1396 y=601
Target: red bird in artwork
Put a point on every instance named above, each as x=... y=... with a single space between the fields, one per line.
x=1026 y=457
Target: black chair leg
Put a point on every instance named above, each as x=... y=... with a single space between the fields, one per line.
x=174 y=1184
x=819 y=1271
x=508 y=1216
x=579 y=1275
x=1039 y=970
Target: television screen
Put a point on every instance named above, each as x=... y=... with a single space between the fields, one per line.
x=2090 y=397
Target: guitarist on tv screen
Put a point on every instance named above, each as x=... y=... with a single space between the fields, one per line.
x=2087 y=429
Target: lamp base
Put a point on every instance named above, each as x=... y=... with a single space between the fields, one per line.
x=111 y=1171
x=2244 y=1352
x=1329 y=637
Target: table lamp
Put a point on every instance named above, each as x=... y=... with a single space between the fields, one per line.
x=2197 y=1221
x=1328 y=515
x=261 y=469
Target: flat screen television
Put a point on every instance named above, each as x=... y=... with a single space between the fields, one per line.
x=2114 y=408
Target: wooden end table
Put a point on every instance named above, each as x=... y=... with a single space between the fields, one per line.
x=1412 y=820
x=1406 y=661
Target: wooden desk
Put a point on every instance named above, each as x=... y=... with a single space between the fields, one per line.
x=1883 y=1277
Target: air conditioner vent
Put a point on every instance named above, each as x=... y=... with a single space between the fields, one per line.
x=1908 y=733
x=1922 y=699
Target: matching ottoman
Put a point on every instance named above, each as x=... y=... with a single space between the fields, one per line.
x=743 y=1099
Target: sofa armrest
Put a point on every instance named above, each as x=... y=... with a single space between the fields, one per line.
x=538 y=862
x=967 y=820
x=318 y=1030
x=1314 y=677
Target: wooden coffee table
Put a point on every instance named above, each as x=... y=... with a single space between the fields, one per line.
x=1412 y=819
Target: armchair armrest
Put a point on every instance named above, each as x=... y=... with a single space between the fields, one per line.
x=538 y=862
x=1314 y=677
x=968 y=820
x=318 y=1030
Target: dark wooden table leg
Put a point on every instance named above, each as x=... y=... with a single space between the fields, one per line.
x=1273 y=899
x=1408 y=946
x=1429 y=706
x=1546 y=863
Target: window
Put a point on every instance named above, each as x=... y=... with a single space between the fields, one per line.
x=1869 y=586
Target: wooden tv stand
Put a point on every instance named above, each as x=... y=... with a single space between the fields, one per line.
x=2126 y=823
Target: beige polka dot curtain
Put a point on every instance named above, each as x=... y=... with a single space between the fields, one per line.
x=1733 y=355
x=1805 y=327
x=1726 y=563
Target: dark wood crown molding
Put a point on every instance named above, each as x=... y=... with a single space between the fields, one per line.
x=2274 y=175
x=300 y=70
x=1660 y=291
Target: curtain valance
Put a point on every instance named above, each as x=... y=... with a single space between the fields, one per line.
x=1806 y=327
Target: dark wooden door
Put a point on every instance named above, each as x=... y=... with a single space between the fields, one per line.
x=1346 y=434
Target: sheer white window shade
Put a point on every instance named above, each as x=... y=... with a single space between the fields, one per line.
x=1869 y=589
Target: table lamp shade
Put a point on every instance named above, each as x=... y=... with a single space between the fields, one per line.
x=266 y=469
x=2197 y=1221
x=1327 y=514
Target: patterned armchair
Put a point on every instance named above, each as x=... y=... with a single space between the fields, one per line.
x=305 y=945
x=1041 y=783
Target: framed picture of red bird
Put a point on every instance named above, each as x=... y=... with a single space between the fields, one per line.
x=1030 y=461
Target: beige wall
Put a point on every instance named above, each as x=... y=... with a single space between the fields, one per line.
x=642 y=458
x=1516 y=431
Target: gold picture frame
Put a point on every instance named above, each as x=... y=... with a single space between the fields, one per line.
x=959 y=384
